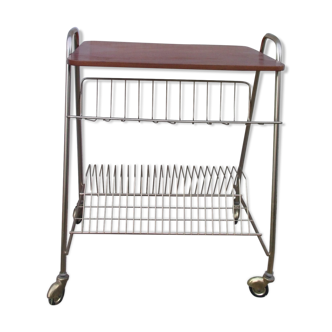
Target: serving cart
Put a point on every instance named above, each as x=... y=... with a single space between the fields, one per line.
x=165 y=200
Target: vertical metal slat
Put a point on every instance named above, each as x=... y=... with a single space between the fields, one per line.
x=134 y=197
x=148 y=193
x=219 y=101
x=206 y=101
x=138 y=100
x=179 y=101
x=193 y=87
x=226 y=199
x=219 y=201
x=141 y=200
x=126 y=208
x=124 y=99
x=177 y=203
x=190 y=177
x=184 y=198
x=166 y=100
x=96 y=99
x=233 y=200
x=162 y=195
x=233 y=100
x=105 y=201
x=152 y=100
x=84 y=198
x=113 y=191
x=120 y=196
x=155 y=196
x=91 y=188
x=212 y=216
x=98 y=193
x=169 y=197
x=110 y=94
x=248 y=117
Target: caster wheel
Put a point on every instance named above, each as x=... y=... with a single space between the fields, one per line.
x=57 y=300
x=259 y=293
x=236 y=216
x=56 y=291
x=77 y=212
x=258 y=287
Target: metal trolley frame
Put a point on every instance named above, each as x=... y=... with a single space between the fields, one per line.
x=168 y=201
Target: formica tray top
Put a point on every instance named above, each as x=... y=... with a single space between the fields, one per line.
x=172 y=56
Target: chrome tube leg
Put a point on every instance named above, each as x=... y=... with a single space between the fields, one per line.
x=259 y=285
x=79 y=163
x=78 y=210
x=269 y=272
x=65 y=174
x=57 y=290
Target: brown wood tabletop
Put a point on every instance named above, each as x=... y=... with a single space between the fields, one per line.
x=172 y=56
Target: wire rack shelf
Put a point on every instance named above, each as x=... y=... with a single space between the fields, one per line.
x=165 y=200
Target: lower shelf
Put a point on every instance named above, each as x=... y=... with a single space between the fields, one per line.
x=164 y=201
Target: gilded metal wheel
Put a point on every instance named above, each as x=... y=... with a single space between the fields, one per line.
x=56 y=292
x=259 y=293
x=258 y=286
x=57 y=300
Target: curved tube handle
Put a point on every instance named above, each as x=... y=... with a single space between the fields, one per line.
x=277 y=42
x=72 y=32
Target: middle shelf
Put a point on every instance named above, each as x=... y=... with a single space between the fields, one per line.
x=166 y=101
